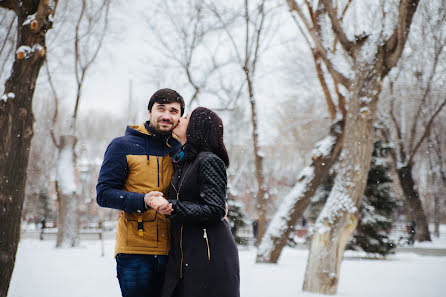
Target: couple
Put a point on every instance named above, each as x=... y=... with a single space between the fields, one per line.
x=167 y=177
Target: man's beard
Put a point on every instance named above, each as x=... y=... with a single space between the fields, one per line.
x=164 y=131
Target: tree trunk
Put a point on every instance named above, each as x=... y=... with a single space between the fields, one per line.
x=437 y=206
x=414 y=207
x=16 y=131
x=338 y=219
x=261 y=204
x=67 y=194
x=297 y=200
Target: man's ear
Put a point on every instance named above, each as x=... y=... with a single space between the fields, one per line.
x=149 y=113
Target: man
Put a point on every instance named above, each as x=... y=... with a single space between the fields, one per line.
x=136 y=170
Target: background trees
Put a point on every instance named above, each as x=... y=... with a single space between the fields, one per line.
x=300 y=85
x=34 y=18
x=415 y=88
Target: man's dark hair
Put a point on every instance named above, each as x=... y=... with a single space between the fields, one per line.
x=205 y=133
x=166 y=96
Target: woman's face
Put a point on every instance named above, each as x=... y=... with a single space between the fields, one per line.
x=180 y=129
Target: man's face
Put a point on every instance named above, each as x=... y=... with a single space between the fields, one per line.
x=164 y=117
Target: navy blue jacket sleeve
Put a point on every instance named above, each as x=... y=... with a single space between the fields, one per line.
x=111 y=180
x=211 y=206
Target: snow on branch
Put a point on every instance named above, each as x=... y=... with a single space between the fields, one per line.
x=25 y=51
x=337 y=203
x=279 y=224
x=348 y=45
x=42 y=19
x=5 y=97
x=319 y=47
x=394 y=46
x=324 y=147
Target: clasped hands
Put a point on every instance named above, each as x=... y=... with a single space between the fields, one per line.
x=156 y=201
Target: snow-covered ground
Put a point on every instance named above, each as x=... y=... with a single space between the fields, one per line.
x=44 y=271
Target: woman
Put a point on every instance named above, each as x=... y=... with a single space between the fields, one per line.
x=203 y=259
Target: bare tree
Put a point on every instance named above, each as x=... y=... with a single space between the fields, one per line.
x=437 y=153
x=185 y=33
x=424 y=88
x=368 y=58
x=87 y=42
x=34 y=19
x=247 y=54
x=326 y=151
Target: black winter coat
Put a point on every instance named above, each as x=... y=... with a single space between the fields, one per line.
x=203 y=258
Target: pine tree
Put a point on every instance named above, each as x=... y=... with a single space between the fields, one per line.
x=237 y=219
x=378 y=205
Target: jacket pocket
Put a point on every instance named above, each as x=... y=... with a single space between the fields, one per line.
x=142 y=229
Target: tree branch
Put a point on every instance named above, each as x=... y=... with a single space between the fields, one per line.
x=320 y=75
x=398 y=133
x=337 y=76
x=258 y=37
x=225 y=28
x=426 y=130
x=424 y=98
x=9 y=4
x=336 y=39
x=386 y=134
x=347 y=45
x=394 y=46
x=56 y=104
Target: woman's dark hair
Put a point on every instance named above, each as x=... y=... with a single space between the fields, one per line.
x=205 y=133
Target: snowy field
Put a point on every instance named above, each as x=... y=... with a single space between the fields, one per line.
x=43 y=271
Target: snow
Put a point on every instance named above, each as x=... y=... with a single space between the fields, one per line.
x=65 y=171
x=44 y=271
x=365 y=100
x=5 y=97
x=29 y=50
x=337 y=202
x=323 y=147
x=29 y=19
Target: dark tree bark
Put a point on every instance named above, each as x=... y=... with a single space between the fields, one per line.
x=414 y=208
x=16 y=124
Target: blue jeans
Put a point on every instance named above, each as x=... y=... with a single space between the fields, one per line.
x=141 y=275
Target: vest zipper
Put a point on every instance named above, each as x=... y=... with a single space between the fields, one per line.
x=158 y=163
x=205 y=236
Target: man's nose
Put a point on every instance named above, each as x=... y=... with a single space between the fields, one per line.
x=165 y=114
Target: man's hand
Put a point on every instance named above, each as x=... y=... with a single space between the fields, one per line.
x=150 y=196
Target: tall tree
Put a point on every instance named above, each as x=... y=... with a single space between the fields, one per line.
x=425 y=86
x=247 y=54
x=368 y=58
x=326 y=151
x=90 y=27
x=34 y=19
